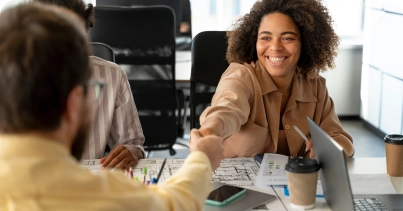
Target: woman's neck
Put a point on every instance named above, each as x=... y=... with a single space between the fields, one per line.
x=283 y=83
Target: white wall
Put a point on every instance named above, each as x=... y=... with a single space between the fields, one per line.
x=382 y=78
x=344 y=82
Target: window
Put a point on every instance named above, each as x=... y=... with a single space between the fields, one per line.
x=221 y=14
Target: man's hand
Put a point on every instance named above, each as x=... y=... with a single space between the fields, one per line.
x=211 y=145
x=119 y=158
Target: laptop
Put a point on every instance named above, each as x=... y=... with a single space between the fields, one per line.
x=335 y=179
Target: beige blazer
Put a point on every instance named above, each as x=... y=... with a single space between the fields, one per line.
x=248 y=102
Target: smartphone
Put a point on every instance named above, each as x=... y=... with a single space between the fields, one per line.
x=224 y=195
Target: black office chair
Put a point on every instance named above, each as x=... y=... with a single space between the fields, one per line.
x=208 y=63
x=176 y=5
x=145 y=37
x=102 y=51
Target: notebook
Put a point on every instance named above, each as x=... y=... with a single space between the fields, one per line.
x=335 y=180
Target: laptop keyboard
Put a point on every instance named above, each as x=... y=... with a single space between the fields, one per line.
x=369 y=204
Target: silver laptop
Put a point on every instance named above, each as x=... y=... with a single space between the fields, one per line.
x=335 y=180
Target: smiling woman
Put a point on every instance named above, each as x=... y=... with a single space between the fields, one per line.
x=272 y=84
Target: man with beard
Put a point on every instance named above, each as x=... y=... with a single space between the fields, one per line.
x=46 y=98
x=116 y=137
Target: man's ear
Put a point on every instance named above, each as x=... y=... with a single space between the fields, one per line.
x=74 y=104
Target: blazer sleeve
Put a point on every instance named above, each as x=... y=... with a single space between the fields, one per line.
x=231 y=102
x=329 y=121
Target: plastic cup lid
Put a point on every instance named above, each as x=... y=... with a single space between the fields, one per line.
x=302 y=165
x=394 y=139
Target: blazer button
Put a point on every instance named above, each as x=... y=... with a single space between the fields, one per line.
x=287 y=127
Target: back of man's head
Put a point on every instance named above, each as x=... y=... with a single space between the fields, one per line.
x=44 y=54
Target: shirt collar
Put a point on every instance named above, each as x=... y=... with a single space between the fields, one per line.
x=303 y=93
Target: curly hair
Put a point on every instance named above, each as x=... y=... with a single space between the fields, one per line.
x=319 y=42
x=78 y=6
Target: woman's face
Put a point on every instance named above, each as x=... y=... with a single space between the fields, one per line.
x=278 y=44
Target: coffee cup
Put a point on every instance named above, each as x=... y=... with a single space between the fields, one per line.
x=394 y=154
x=302 y=175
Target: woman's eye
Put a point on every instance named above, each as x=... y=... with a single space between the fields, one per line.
x=288 y=38
x=264 y=38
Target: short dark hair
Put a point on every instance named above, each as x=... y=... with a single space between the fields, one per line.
x=44 y=55
x=86 y=12
x=319 y=42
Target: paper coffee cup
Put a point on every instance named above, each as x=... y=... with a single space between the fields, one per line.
x=302 y=175
x=394 y=154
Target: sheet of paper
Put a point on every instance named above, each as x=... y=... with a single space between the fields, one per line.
x=92 y=165
x=371 y=184
x=272 y=170
x=236 y=171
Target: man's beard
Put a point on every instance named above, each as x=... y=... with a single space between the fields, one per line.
x=80 y=141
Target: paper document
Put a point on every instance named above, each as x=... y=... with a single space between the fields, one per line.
x=272 y=170
x=92 y=165
x=236 y=171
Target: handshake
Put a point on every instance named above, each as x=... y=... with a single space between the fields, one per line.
x=211 y=145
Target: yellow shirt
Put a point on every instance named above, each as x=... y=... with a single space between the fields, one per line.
x=248 y=102
x=40 y=174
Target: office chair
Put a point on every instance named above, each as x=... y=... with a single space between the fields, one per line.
x=208 y=63
x=144 y=39
x=175 y=5
x=102 y=51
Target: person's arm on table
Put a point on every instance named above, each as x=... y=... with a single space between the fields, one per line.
x=126 y=133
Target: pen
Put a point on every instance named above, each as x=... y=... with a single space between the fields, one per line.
x=144 y=173
x=159 y=174
x=301 y=134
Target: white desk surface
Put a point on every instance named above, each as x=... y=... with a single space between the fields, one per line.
x=355 y=166
x=183 y=66
x=373 y=166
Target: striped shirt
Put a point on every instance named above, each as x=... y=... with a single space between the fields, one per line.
x=116 y=119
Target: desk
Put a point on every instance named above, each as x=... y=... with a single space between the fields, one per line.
x=234 y=171
x=355 y=166
x=183 y=66
x=246 y=178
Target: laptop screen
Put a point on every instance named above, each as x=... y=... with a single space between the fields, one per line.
x=333 y=173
